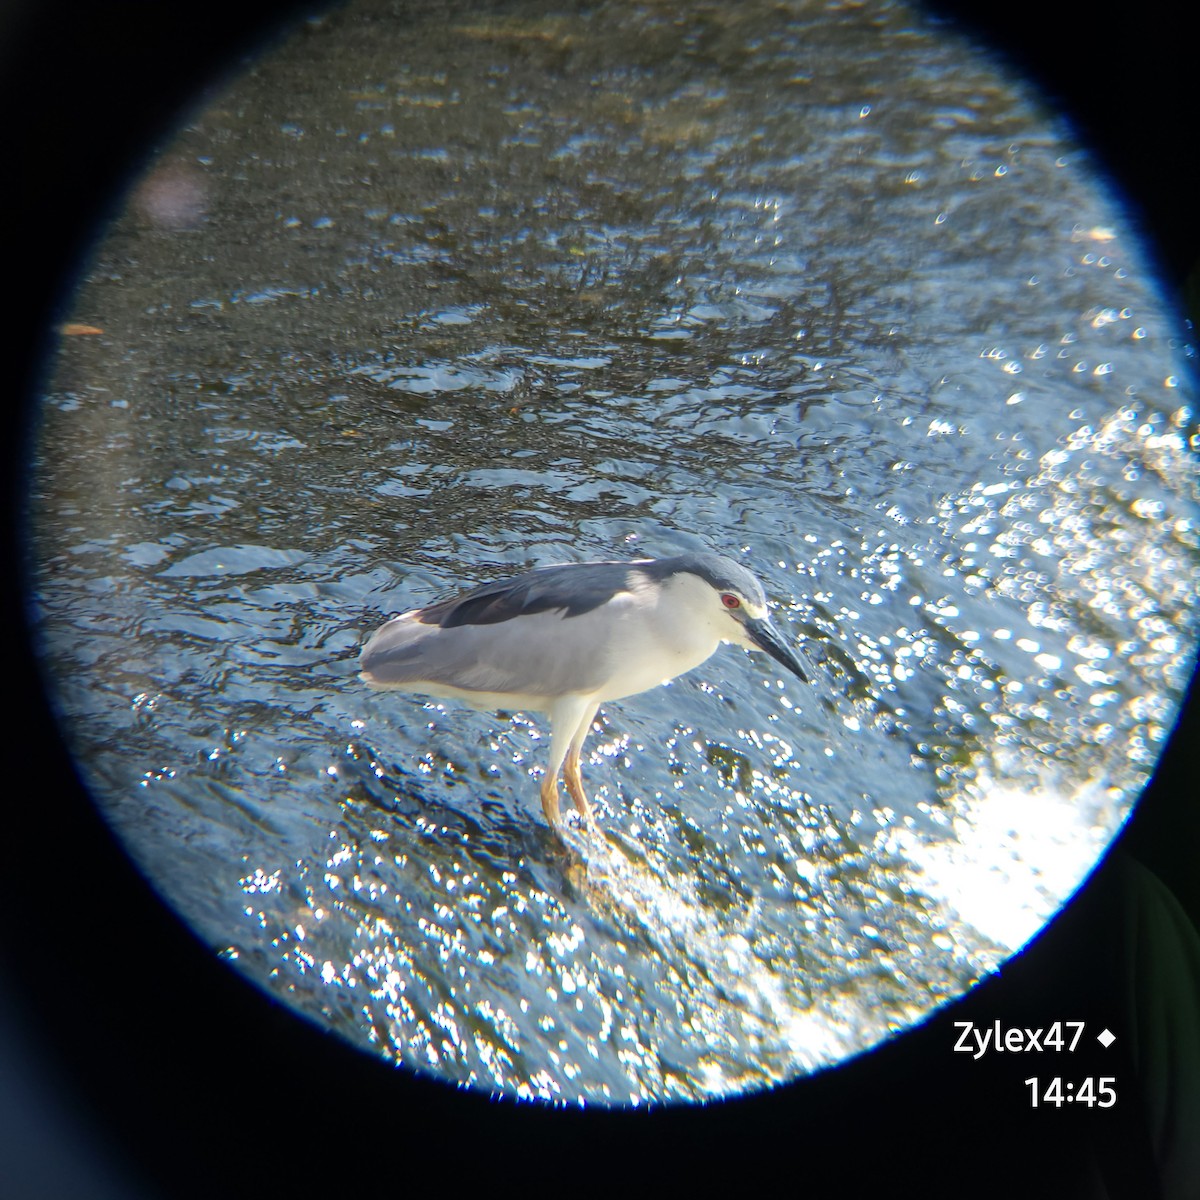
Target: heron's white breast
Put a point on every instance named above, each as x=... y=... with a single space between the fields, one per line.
x=656 y=638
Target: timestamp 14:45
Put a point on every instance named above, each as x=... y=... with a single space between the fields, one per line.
x=1100 y=1092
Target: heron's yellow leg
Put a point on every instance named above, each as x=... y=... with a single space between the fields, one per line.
x=574 y=777
x=550 y=799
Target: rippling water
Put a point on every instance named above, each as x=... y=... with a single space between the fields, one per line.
x=424 y=300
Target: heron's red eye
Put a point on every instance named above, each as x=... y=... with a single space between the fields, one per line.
x=730 y=601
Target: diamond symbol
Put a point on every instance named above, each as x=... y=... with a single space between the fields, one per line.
x=1105 y=1038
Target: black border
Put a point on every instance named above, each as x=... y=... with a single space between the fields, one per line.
x=206 y=1087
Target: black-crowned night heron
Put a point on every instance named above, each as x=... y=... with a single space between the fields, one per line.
x=562 y=640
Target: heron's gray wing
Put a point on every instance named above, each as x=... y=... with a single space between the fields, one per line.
x=531 y=656
x=573 y=588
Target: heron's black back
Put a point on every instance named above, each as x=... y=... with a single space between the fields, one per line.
x=572 y=588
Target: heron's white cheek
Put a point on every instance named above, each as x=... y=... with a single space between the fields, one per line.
x=736 y=634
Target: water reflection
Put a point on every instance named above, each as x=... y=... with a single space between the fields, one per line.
x=819 y=288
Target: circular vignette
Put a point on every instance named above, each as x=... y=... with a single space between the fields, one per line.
x=261 y=1041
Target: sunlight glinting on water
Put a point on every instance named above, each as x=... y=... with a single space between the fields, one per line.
x=1012 y=856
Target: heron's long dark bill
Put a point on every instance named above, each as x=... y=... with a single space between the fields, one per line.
x=763 y=634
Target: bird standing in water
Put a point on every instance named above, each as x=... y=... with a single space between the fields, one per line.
x=562 y=640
